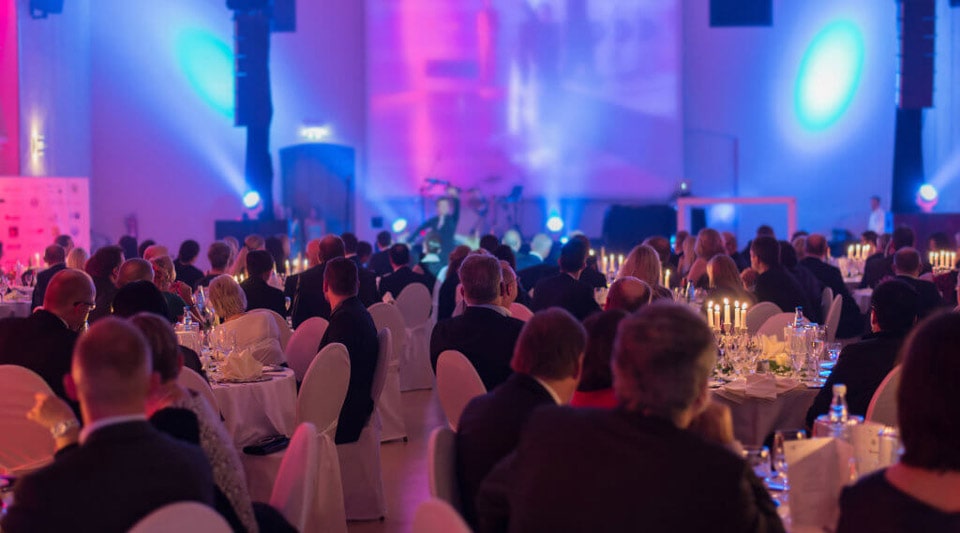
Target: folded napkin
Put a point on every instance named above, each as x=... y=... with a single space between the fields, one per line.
x=241 y=366
x=763 y=386
x=772 y=345
x=818 y=469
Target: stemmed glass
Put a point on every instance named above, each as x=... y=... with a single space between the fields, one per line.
x=780 y=437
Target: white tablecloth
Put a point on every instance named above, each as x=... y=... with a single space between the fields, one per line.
x=10 y=308
x=863 y=298
x=755 y=418
x=252 y=411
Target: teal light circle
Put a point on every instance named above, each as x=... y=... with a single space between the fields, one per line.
x=829 y=75
x=207 y=63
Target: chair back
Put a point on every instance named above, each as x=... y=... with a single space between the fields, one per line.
x=388 y=316
x=832 y=320
x=24 y=445
x=437 y=516
x=191 y=380
x=775 y=324
x=324 y=388
x=296 y=486
x=883 y=405
x=520 y=312
x=758 y=315
x=186 y=517
x=435 y=293
x=442 y=466
x=384 y=350
x=414 y=304
x=302 y=347
x=457 y=384
x=826 y=299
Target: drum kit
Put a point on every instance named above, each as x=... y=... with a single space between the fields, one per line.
x=494 y=213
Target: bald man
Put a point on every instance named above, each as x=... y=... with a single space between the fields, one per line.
x=135 y=269
x=628 y=294
x=132 y=468
x=55 y=256
x=852 y=323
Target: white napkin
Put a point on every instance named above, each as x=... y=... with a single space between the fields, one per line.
x=818 y=470
x=241 y=367
x=763 y=386
x=865 y=438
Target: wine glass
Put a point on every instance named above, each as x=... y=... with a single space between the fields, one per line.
x=780 y=437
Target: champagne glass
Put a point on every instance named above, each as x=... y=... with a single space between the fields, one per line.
x=780 y=437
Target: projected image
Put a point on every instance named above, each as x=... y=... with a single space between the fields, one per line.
x=570 y=98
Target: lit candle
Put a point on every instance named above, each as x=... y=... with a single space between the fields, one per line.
x=710 y=314
x=859 y=252
x=603 y=263
x=716 y=316
x=36 y=259
x=850 y=252
x=736 y=314
x=930 y=258
x=666 y=278
x=726 y=310
x=620 y=262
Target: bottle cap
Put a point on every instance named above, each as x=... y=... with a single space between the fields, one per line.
x=840 y=388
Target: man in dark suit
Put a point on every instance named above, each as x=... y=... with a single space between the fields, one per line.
x=591 y=274
x=851 y=321
x=352 y=326
x=879 y=266
x=260 y=295
x=639 y=467
x=104 y=267
x=532 y=266
x=484 y=333
x=123 y=468
x=54 y=256
x=565 y=289
x=305 y=289
x=773 y=283
x=350 y=243
x=219 y=256
x=380 y=261
x=186 y=271
x=43 y=342
x=402 y=275
x=547 y=362
x=862 y=366
x=907 y=266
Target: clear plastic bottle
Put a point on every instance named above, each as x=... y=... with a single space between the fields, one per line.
x=838 y=407
x=798 y=319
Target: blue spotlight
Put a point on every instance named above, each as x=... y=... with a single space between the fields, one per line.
x=207 y=61
x=554 y=223
x=399 y=225
x=928 y=193
x=829 y=75
x=251 y=199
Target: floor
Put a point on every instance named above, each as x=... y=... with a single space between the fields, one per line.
x=405 y=465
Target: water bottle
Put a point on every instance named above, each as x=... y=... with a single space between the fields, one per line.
x=690 y=291
x=798 y=319
x=838 y=408
x=187 y=318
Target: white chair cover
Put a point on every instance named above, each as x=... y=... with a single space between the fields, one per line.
x=520 y=312
x=457 y=384
x=182 y=517
x=435 y=295
x=296 y=493
x=259 y=333
x=883 y=405
x=303 y=345
x=415 y=370
x=758 y=315
x=391 y=407
x=360 y=470
x=442 y=466
x=437 y=516
x=775 y=324
x=833 y=318
x=24 y=445
x=826 y=299
x=189 y=379
x=285 y=331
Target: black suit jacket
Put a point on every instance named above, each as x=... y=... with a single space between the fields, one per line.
x=564 y=291
x=489 y=430
x=368 y=292
x=379 y=263
x=928 y=296
x=352 y=326
x=42 y=343
x=876 y=267
x=447 y=299
x=778 y=286
x=394 y=283
x=610 y=470
x=527 y=260
x=106 y=290
x=851 y=321
x=43 y=279
x=812 y=291
x=188 y=274
x=484 y=336
x=310 y=302
x=260 y=295
x=530 y=276
x=119 y=475
x=861 y=367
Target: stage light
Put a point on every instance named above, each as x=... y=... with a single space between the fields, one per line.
x=554 y=223
x=928 y=193
x=251 y=199
x=399 y=225
x=829 y=75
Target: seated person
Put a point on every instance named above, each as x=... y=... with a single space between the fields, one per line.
x=402 y=275
x=628 y=294
x=260 y=295
x=643 y=263
x=135 y=269
x=922 y=491
x=772 y=283
x=596 y=384
x=565 y=289
x=178 y=295
x=907 y=266
x=254 y=331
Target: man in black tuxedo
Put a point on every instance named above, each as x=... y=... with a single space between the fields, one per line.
x=484 y=333
x=186 y=271
x=352 y=326
x=879 y=266
x=907 y=265
x=638 y=467
x=123 y=468
x=402 y=275
x=851 y=321
x=591 y=274
x=260 y=295
x=380 y=261
x=104 y=267
x=533 y=266
x=43 y=342
x=547 y=362
x=565 y=289
x=55 y=257
x=773 y=283
x=350 y=243
x=862 y=366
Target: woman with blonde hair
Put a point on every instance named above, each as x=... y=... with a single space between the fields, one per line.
x=643 y=263
x=255 y=330
x=76 y=258
x=709 y=245
x=724 y=280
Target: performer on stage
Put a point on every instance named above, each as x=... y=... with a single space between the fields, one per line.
x=445 y=223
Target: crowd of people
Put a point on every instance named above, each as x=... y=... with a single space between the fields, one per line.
x=596 y=419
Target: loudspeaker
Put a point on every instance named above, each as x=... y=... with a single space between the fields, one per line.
x=284 y=16
x=318 y=184
x=627 y=226
x=254 y=100
x=917 y=21
x=725 y=13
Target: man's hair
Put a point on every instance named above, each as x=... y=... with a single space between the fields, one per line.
x=505 y=253
x=142 y=249
x=340 y=276
x=189 y=250
x=163 y=344
x=115 y=362
x=219 y=254
x=767 y=250
x=489 y=242
x=573 y=256
x=481 y=276
x=662 y=357
x=364 y=249
x=902 y=236
x=384 y=239
x=550 y=345
x=816 y=245
x=135 y=269
x=139 y=297
x=103 y=262
x=601 y=331
x=875 y=197
x=788 y=254
x=927 y=410
x=331 y=246
x=906 y=260
x=350 y=242
x=895 y=306
x=399 y=254
x=765 y=231
x=63 y=240
x=456 y=257
x=869 y=236
x=629 y=294
x=259 y=262
x=226 y=296
x=54 y=254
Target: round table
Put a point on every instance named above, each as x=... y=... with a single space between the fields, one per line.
x=14 y=308
x=252 y=411
x=755 y=418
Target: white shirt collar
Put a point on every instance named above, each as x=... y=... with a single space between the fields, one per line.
x=552 y=392
x=492 y=307
x=535 y=254
x=109 y=421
